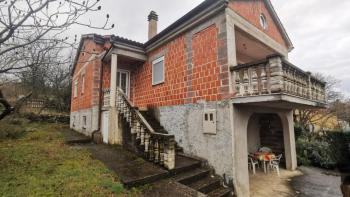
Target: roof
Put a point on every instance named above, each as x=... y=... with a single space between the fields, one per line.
x=99 y=39
x=189 y=15
x=279 y=24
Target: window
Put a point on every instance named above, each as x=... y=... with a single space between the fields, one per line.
x=84 y=121
x=158 y=71
x=123 y=81
x=75 y=89
x=82 y=84
x=263 y=21
x=73 y=121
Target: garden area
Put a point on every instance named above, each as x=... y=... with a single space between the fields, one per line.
x=35 y=161
x=326 y=149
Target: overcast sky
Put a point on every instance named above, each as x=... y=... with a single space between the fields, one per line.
x=319 y=29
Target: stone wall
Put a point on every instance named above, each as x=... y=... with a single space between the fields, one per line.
x=186 y=123
x=92 y=118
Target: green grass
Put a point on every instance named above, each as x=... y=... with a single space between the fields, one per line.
x=38 y=163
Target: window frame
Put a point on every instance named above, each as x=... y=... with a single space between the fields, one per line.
x=75 y=88
x=263 y=21
x=82 y=84
x=154 y=62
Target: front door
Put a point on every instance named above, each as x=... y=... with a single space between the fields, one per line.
x=123 y=81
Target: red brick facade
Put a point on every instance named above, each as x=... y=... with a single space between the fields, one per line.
x=251 y=10
x=204 y=79
x=195 y=66
x=89 y=68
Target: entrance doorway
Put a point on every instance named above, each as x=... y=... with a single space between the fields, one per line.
x=123 y=81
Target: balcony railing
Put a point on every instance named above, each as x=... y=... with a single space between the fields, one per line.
x=276 y=76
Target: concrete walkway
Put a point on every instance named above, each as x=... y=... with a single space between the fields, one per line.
x=305 y=182
x=268 y=185
x=133 y=170
x=315 y=183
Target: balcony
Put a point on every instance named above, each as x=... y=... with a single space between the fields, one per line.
x=275 y=79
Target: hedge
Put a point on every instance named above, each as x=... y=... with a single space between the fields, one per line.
x=327 y=149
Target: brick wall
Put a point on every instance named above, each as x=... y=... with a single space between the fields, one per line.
x=90 y=68
x=251 y=10
x=195 y=69
x=172 y=91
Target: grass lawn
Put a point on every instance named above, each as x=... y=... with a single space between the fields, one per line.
x=39 y=163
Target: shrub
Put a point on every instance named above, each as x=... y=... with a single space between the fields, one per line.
x=325 y=150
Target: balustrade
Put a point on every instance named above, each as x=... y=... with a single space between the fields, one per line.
x=157 y=147
x=267 y=77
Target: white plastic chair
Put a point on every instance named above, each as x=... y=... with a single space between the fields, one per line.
x=275 y=164
x=253 y=164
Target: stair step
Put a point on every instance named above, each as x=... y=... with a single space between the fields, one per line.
x=206 y=184
x=192 y=176
x=184 y=164
x=220 y=192
x=179 y=149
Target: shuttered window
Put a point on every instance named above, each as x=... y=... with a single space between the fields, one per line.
x=158 y=71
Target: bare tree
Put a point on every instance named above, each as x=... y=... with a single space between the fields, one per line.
x=24 y=22
x=30 y=29
x=333 y=94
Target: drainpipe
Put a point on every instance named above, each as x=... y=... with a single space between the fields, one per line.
x=100 y=100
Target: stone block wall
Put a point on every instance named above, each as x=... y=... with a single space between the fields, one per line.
x=186 y=123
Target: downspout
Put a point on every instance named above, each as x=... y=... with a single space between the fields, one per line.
x=100 y=102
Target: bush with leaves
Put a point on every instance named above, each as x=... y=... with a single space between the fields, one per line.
x=327 y=149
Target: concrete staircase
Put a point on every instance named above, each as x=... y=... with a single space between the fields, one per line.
x=190 y=171
x=150 y=140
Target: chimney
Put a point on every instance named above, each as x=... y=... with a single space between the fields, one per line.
x=152 y=24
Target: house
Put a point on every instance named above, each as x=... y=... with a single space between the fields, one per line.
x=218 y=81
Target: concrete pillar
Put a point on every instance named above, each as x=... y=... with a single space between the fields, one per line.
x=231 y=48
x=240 y=151
x=289 y=139
x=114 y=134
x=276 y=80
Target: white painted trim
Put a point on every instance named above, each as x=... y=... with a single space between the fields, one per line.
x=278 y=97
x=155 y=62
x=128 y=81
x=75 y=88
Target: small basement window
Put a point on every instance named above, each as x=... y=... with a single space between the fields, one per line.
x=84 y=121
x=263 y=21
x=158 y=71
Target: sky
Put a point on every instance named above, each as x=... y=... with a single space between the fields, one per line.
x=319 y=29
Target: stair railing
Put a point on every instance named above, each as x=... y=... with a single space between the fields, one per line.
x=157 y=147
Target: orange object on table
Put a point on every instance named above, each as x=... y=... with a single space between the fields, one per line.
x=261 y=156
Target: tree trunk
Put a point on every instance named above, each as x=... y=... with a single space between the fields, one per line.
x=8 y=108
